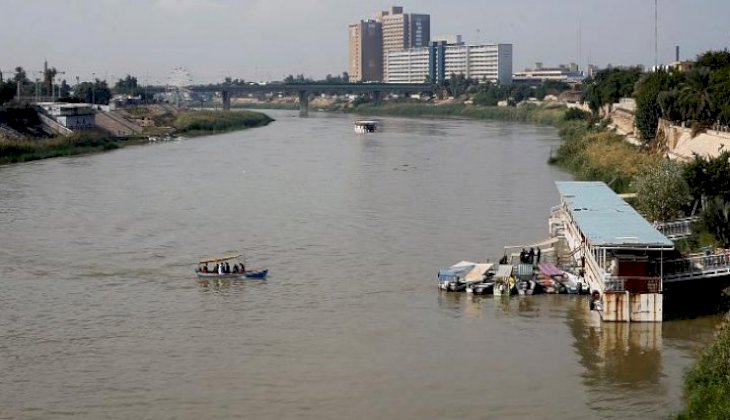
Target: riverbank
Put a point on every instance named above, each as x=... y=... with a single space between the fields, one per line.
x=707 y=384
x=188 y=123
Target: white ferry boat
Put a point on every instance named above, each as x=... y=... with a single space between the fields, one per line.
x=366 y=126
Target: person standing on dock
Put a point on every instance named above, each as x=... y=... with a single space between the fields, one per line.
x=538 y=255
x=531 y=256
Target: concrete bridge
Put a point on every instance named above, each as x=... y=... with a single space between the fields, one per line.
x=304 y=90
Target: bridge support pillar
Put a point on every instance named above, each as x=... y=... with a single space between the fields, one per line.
x=377 y=97
x=303 y=103
x=226 y=97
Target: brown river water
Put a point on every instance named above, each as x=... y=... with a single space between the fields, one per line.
x=101 y=315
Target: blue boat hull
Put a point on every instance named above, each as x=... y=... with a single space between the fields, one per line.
x=258 y=274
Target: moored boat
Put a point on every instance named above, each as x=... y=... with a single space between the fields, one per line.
x=481 y=288
x=453 y=279
x=504 y=283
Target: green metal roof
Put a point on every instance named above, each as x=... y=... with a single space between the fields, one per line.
x=606 y=219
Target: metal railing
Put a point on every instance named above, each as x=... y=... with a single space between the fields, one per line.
x=697 y=267
x=675 y=229
x=633 y=284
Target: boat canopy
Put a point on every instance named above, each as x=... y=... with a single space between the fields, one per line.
x=524 y=270
x=503 y=271
x=457 y=270
x=549 y=269
x=477 y=273
x=219 y=259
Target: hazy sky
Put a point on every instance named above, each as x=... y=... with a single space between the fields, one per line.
x=269 y=39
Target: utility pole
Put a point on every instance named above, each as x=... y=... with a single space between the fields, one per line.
x=93 y=88
x=53 y=89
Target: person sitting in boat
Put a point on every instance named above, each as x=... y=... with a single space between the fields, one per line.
x=243 y=268
x=215 y=269
x=221 y=269
x=228 y=267
x=235 y=268
x=204 y=269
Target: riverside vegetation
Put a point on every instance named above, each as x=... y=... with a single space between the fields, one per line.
x=189 y=123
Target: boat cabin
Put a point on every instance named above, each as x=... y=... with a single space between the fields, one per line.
x=366 y=126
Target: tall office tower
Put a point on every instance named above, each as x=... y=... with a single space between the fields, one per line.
x=366 y=51
x=402 y=31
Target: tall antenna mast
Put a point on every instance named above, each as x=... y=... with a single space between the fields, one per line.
x=580 y=41
x=656 y=36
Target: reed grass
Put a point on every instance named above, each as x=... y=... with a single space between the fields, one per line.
x=207 y=122
x=24 y=150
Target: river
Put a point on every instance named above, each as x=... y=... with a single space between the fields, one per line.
x=101 y=315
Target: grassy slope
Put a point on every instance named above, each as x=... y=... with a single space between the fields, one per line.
x=707 y=385
x=190 y=123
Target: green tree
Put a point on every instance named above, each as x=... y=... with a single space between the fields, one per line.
x=720 y=94
x=709 y=177
x=19 y=79
x=540 y=92
x=715 y=217
x=97 y=92
x=48 y=75
x=648 y=109
x=694 y=96
x=610 y=85
x=662 y=191
x=127 y=86
x=713 y=60
x=668 y=101
x=64 y=90
x=7 y=92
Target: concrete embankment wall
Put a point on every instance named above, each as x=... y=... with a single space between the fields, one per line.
x=681 y=145
x=678 y=140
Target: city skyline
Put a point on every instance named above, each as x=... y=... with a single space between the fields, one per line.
x=267 y=40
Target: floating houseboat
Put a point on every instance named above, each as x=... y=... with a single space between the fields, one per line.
x=614 y=249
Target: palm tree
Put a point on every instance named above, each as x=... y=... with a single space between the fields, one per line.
x=668 y=103
x=694 y=97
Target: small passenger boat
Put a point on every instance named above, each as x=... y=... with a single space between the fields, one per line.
x=366 y=126
x=224 y=270
x=453 y=278
x=504 y=283
x=463 y=275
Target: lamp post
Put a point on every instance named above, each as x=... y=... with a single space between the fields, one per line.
x=93 y=88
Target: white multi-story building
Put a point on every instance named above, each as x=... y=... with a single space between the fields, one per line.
x=563 y=73
x=489 y=62
x=407 y=66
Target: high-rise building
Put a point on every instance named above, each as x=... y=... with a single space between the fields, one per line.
x=371 y=40
x=402 y=30
x=366 y=51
